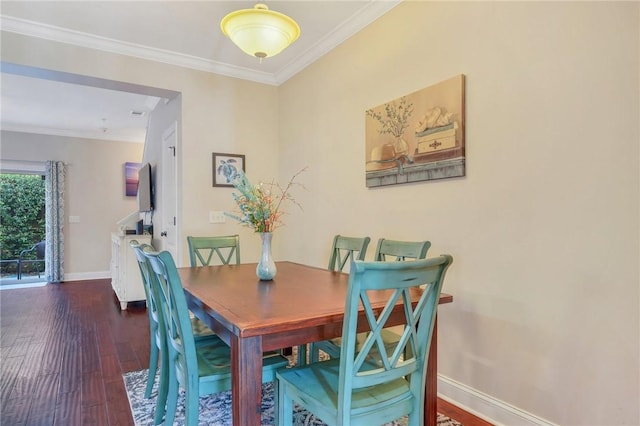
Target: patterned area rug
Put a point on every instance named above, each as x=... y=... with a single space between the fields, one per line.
x=215 y=410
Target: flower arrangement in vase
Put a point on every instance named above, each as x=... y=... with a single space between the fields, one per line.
x=260 y=209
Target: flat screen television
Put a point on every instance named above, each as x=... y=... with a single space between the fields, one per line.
x=145 y=189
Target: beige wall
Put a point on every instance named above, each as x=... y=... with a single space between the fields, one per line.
x=94 y=191
x=544 y=227
x=219 y=114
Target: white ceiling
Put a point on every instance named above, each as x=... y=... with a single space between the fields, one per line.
x=184 y=33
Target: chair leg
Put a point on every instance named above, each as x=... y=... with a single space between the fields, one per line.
x=314 y=355
x=191 y=404
x=172 y=400
x=285 y=407
x=153 y=368
x=276 y=404
x=416 y=417
x=302 y=355
x=163 y=390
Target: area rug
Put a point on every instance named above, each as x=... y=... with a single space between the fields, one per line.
x=215 y=410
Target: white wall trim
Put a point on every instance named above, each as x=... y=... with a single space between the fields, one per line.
x=371 y=11
x=80 y=276
x=92 y=41
x=486 y=407
x=22 y=166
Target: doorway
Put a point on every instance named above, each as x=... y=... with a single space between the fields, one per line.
x=152 y=145
x=22 y=229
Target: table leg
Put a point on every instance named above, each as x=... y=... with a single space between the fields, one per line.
x=431 y=385
x=246 y=380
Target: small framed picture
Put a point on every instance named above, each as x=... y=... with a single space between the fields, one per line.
x=225 y=168
x=131 y=178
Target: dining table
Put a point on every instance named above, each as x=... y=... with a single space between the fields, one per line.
x=302 y=304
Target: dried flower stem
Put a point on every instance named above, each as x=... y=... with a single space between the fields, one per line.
x=259 y=209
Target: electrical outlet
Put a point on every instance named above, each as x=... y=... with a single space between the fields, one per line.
x=74 y=219
x=217 y=217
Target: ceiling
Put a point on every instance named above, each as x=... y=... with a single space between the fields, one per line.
x=184 y=33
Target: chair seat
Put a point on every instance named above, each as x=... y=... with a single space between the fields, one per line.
x=200 y=329
x=214 y=366
x=316 y=386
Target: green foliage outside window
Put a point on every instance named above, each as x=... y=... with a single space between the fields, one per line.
x=22 y=219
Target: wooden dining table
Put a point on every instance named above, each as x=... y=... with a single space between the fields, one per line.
x=302 y=304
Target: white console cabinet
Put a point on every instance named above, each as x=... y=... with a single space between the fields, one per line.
x=125 y=273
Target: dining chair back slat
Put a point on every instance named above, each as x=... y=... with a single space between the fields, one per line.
x=202 y=250
x=401 y=250
x=344 y=249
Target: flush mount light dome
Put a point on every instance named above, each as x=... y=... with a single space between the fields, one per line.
x=260 y=32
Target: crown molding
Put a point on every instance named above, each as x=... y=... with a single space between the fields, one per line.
x=91 y=41
x=371 y=11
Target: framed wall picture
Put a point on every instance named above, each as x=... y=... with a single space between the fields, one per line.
x=131 y=178
x=225 y=168
x=417 y=137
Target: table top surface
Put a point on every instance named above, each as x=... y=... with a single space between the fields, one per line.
x=299 y=296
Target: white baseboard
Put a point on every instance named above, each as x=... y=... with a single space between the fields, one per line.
x=79 y=276
x=484 y=406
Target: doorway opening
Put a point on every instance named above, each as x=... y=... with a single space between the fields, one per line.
x=22 y=229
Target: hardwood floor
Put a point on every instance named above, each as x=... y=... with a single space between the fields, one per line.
x=64 y=348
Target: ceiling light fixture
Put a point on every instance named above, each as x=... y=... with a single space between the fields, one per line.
x=260 y=32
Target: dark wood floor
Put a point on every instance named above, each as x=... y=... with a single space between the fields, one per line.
x=64 y=348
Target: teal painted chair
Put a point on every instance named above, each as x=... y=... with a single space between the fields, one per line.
x=202 y=250
x=376 y=384
x=395 y=250
x=152 y=310
x=343 y=250
x=400 y=250
x=201 y=332
x=199 y=369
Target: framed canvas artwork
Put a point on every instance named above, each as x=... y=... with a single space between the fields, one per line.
x=418 y=137
x=131 y=178
x=225 y=168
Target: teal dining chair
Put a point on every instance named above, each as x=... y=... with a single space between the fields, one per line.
x=376 y=384
x=199 y=369
x=202 y=250
x=155 y=342
x=201 y=332
x=343 y=250
x=396 y=250
x=401 y=250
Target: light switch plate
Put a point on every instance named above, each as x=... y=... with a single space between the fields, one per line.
x=217 y=217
